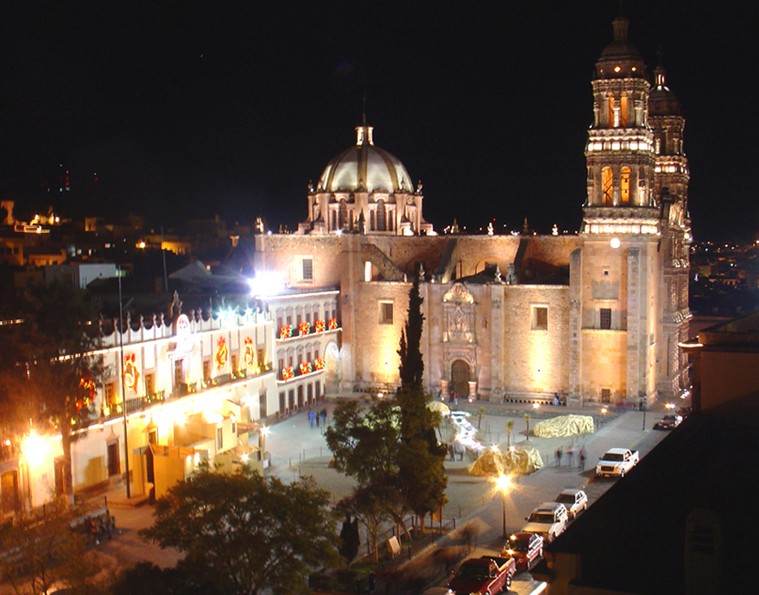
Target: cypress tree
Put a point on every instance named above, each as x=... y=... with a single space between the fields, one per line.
x=422 y=473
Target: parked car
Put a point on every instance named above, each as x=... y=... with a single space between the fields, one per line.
x=576 y=501
x=487 y=575
x=549 y=520
x=668 y=422
x=525 y=548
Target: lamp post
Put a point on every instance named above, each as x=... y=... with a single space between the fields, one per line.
x=262 y=444
x=644 y=406
x=123 y=392
x=502 y=484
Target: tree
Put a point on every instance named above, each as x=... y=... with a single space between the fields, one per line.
x=48 y=373
x=245 y=533
x=420 y=460
x=41 y=550
x=365 y=444
x=412 y=364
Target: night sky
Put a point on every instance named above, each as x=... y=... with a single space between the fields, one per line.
x=190 y=109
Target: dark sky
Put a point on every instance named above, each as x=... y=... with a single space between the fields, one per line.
x=188 y=109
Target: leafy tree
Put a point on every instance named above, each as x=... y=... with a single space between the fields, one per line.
x=365 y=445
x=365 y=442
x=47 y=372
x=246 y=533
x=41 y=550
x=146 y=578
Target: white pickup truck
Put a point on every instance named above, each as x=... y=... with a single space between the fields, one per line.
x=616 y=462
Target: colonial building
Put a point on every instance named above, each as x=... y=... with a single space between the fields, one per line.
x=178 y=390
x=595 y=316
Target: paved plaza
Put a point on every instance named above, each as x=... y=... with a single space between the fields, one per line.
x=296 y=449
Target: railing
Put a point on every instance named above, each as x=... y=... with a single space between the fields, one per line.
x=140 y=403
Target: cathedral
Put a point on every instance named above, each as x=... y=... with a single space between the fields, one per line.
x=595 y=316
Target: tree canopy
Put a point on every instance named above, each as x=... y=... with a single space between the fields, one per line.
x=246 y=532
x=47 y=372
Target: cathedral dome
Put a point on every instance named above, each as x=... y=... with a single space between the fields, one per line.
x=620 y=59
x=365 y=168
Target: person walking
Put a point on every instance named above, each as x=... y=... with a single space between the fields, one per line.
x=558 y=456
x=583 y=456
x=570 y=455
x=311 y=416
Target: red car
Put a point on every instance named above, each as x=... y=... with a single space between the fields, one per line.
x=487 y=575
x=525 y=548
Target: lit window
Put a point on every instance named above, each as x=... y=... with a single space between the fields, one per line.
x=624 y=185
x=607 y=181
x=386 y=312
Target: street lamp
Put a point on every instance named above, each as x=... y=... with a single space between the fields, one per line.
x=123 y=391
x=502 y=484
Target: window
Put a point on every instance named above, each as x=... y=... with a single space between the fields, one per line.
x=607 y=186
x=623 y=110
x=539 y=318
x=605 y=320
x=307 y=269
x=624 y=185
x=110 y=396
x=386 y=313
x=149 y=384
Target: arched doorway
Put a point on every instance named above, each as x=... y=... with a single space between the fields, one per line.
x=460 y=376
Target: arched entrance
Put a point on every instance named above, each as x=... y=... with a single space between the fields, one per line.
x=460 y=375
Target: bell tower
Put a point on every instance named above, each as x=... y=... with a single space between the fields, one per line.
x=620 y=149
x=671 y=180
x=615 y=278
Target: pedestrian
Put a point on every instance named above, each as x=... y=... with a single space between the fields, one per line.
x=583 y=456
x=311 y=416
x=570 y=455
x=451 y=452
x=324 y=416
x=555 y=399
x=558 y=456
x=316 y=419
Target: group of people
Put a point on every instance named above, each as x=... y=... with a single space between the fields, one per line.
x=315 y=417
x=99 y=528
x=569 y=453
